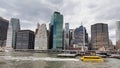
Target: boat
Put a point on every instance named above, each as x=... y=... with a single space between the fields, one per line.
x=115 y=56
x=103 y=55
x=92 y=58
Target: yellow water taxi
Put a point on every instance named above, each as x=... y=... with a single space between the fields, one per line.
x=92 y=58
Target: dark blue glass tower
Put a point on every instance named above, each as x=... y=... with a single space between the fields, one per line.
x=57 y=29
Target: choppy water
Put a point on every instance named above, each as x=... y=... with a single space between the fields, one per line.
x=44 y=60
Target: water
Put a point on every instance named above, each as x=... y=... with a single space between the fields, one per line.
x=44 y=60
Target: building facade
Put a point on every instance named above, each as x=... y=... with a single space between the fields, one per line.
x=25 y=39
x=14 y=26
x=3 y=31
x=66 y=36
x=71 y=35
x=57 y=30
x=41 y=38
x=118 y=35
x=80 y=38
x=50 y=41
x=99 y=36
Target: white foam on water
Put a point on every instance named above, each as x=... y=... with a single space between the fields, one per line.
x=31 y=58
x=6 y=50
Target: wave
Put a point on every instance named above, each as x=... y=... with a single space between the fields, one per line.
x=31 y=58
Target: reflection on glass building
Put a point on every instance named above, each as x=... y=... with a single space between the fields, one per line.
x=3 y=31
x=14 y=26
x=118 y=34
x=80 y=37
x=99 y=36
x=25 y=39
x=56 y=26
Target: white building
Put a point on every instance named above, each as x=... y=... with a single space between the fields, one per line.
x=118 y=30
x=118 y=34
x=41 y=39
x=66 y=36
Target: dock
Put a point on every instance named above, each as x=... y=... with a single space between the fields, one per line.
x=66 y=55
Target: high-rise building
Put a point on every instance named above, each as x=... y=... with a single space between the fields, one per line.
x=50 y=43
x=41 y=39
x=71 y=35
x=3 y=31
x=99 y=36
x=118 y=34
x=25 y=39
x=80 y=38
x=66 y=36
x=14 y=26
x=56 y=27
x=111 y=46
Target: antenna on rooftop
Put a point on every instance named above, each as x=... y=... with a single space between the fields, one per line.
x=81 y=23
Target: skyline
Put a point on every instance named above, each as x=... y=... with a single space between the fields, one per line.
x=74 y=11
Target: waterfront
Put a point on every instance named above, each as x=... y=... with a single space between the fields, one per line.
x=45 y=60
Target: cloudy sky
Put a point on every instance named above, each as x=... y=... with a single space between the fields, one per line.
x=89 y=12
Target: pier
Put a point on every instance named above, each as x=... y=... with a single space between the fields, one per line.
x=50 y=51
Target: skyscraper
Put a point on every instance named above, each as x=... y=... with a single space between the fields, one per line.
x=57 y=28
x=3 y=31
x=66 y=36
x=50 y=41
x=99 y=36
x=14 y=26
x=118 y=34
x=25 y=39
x=41 y=39
x=80 y=37
x=71 y=36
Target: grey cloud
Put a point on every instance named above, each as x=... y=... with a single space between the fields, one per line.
x=57 y=2
x=111 y=14
x=41 y=10
x=28 y=10
x=108 y=10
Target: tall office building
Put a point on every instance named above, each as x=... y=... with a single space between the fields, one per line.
x=14 y=26
x=66 y=36
x=99 y=36
x=71 y=35
x=3 y=31
x=80 y=37
x=50 y=36
x=118 y=34
x=56 y=27
x=41 y=39
x=25 y=39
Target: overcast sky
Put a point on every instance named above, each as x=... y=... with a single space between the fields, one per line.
x=89 y=12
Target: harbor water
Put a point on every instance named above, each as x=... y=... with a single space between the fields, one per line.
x=46 y=60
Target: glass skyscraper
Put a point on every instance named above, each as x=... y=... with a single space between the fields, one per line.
x=57 y=27
x=3 y=31
x=80 y=37
x=14 y=26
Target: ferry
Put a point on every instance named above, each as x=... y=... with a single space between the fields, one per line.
x=92 y=58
